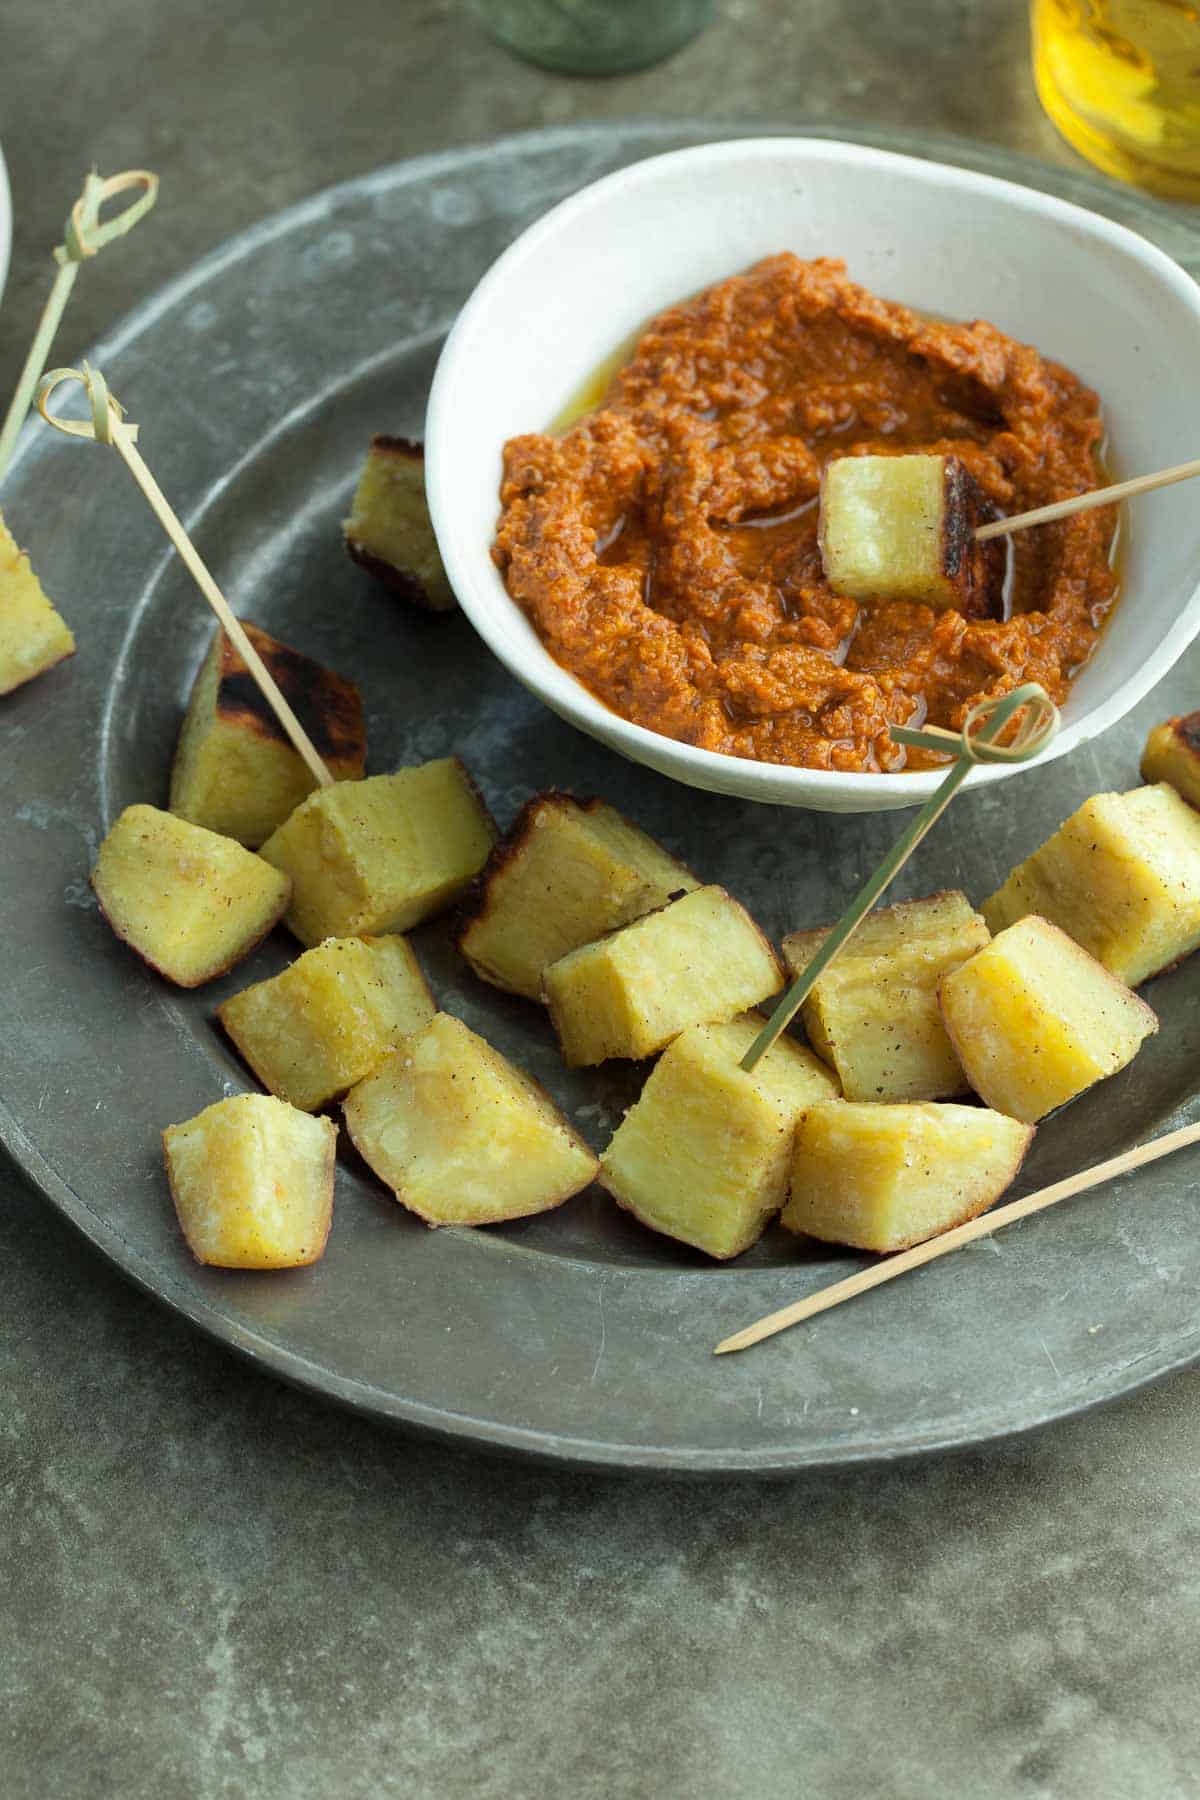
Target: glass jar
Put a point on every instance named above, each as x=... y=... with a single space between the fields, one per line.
x=594 y=37
x=1121 y=80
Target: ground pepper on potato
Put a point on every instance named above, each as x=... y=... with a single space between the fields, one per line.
x=665 y=545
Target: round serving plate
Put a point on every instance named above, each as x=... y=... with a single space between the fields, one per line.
x=258 y=379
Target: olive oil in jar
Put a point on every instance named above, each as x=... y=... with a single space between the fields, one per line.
x=1121 y=80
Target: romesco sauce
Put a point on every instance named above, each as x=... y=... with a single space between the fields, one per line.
x=664 y=545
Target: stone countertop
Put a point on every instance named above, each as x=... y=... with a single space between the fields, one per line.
x=214 y=1587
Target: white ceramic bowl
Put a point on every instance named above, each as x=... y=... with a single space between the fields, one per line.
x=587 y=275
x=5 y=222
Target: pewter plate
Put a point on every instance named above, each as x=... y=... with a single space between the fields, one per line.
x=258 y=379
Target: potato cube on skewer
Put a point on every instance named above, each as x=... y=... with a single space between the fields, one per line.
x=252 y=1182
x=902 y=528
x=698 y=961
x=235 y=770
x=1036 y=1020
x=1121 y=876
x=460 y=1135
x=884 y=1177
x=1172 y=754
x=380 y=855
x=191 y=904
x=873 y=1015
x=333 y=1015
x=565 y=873
x=389 y=531
x=33 y=635
x=704 y=1155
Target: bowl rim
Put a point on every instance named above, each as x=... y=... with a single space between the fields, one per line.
x=563 y=692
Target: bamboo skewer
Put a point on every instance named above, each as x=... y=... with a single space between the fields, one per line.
x=1107 y=496
x=83 y=238
x=928 y=1252
x=108 y=426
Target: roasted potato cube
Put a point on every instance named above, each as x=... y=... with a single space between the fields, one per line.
x=33 y=636
x=567 y=872
x=874 y=1015
x=1121 y=876
x=704 y=1154
x=1172 y=754
x=699 y=961
x=189 y=902
x=901 y=528
x=389 y=531
x=333 y=1015
x=1036 y=1020
x=235 y=771
x=380 y=855
x=884 y=1177
x=460 y=1135
x=252 y=1182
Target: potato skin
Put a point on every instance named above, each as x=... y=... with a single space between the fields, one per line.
x=327 y=705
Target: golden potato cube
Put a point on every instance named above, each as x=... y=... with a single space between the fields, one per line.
x=252 y=1182
x=460 y=1135
x=1121 y=876
x=565 y=873
x=333 y=1015
x=704 y=1154
x=1036 y=1020
x=873 y=1015
x=884 y=1177
x=698 y=961
x=33 y=635
x=235 y=770
x=901 y=528
x=189 y=902
x=380 y=855
x=1172 y=754
x=389 y=531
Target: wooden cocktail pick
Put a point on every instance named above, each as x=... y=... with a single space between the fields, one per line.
x=84 y=236
x=109 y=426
x=920 y=1254
x=1107 y=496
x=1034 y=718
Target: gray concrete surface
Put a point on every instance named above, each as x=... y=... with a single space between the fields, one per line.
x=212 y=1587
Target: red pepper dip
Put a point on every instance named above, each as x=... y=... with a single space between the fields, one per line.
x=665 y=545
